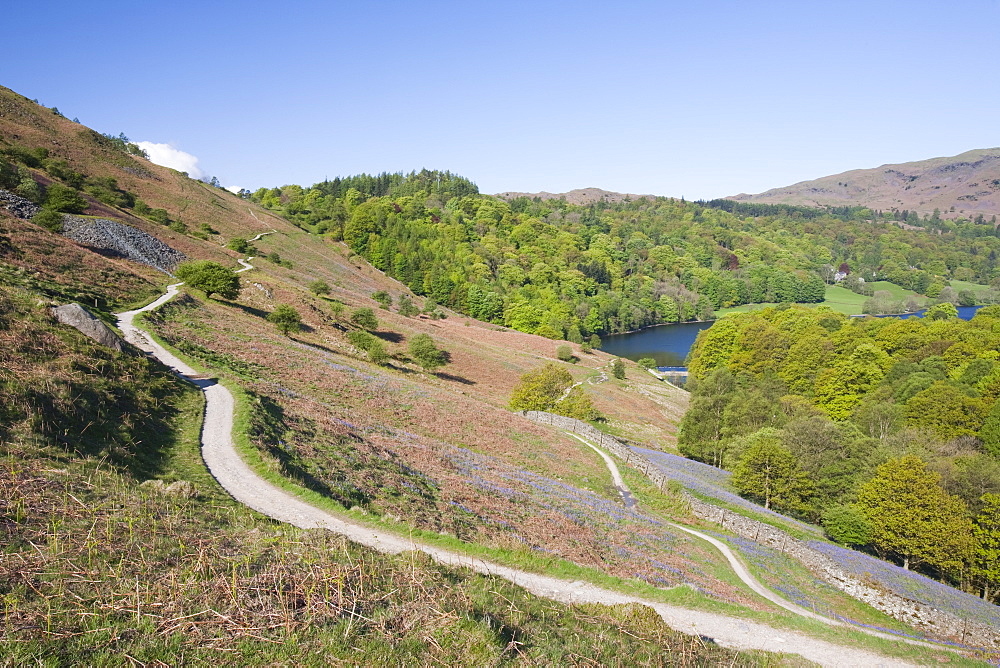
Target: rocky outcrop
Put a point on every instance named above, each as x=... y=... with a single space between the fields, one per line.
x=123 y=240
x=76 y=316
x=17 y=205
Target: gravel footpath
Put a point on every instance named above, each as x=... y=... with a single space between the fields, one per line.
x=738 y=566
x=248 y=488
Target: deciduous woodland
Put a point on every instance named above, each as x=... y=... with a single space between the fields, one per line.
x=885 y=430
x=570 y=271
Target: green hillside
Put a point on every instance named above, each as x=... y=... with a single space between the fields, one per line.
x=573 y=271
x=373 y=343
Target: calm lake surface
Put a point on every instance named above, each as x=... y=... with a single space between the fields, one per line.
x=669 y=344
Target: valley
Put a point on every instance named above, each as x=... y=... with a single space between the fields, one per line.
x=507 y=540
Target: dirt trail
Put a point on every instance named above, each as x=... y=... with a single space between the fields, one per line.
x=247 y=487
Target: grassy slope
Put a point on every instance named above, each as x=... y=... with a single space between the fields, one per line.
x=94 y=567
x=850 y=303
x=976 y=288
x=839 y=299
x=300 y=391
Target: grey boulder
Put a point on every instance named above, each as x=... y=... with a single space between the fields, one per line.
x=76 y=316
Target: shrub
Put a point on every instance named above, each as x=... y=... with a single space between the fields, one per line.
x=49 y=219
x=647 y=363
x=110 y=197
x=28 y=188
x=540 y=389
x=576 y=404
x=60 y=169
x=847 y=526
x=159 y=216
x=586 y=348
x=565 y=353
x=545 y=389
x=595 y=341
x=285 y=318
x=426 y=354
x=65 y=199
x=319 y=287
x=240 y=245
x=383 y=298
x=8 y=175
x=365 y=318
x=26 y=156
x=407 y=307
x=178 y=226
x=210 y=277
x=370 y=345
x=618 y=368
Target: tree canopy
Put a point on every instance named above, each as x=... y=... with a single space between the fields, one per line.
x=570 y=271
x=209 y=277
x=768 y=472
x=285 y=318
x=913 y=518
x=426 y=353
x=550 y=388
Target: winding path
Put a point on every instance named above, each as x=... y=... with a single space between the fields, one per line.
x=738 y=566
x=248 y=488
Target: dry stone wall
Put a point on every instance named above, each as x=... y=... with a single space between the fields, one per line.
x=930 y=620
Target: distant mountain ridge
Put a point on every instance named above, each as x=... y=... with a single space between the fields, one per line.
x=965 y=185
x=578 y=196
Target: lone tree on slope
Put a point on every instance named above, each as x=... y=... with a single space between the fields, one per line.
x=426 y=354
x=285 y=318
x=210 y=277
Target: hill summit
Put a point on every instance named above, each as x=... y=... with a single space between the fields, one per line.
x=966 y=185
x=581 y=196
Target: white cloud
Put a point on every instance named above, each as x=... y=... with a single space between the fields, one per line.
x=234 y=189
x=168 y=156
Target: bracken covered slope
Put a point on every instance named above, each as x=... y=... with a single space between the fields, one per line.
x=964 y=185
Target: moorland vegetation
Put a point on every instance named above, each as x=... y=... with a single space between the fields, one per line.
x=396 y=415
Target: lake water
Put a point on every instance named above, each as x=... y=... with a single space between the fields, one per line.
x=669 y=345
x=964 y=312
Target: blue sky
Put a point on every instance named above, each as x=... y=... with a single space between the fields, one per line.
x=694 y=99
